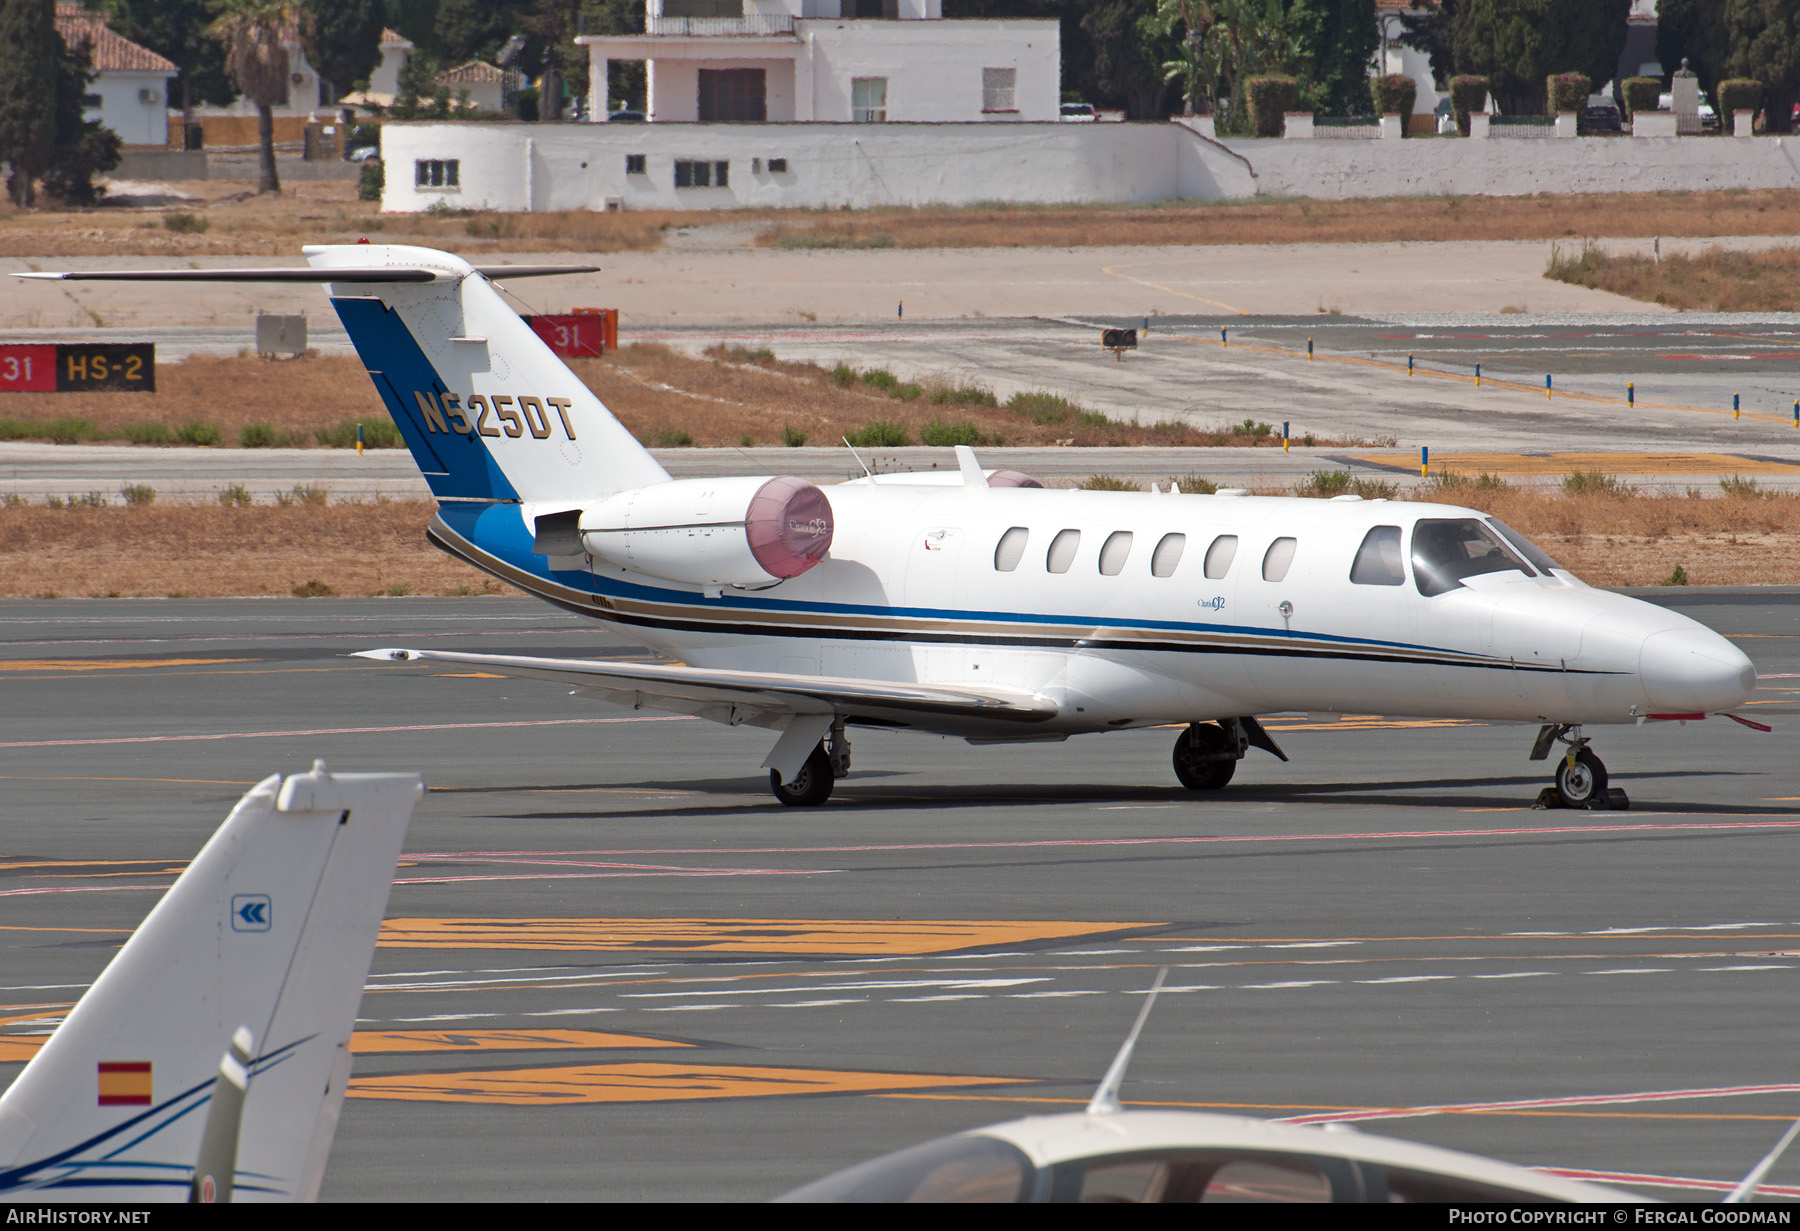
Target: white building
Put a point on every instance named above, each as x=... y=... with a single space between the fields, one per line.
x=1396 y=59
x=480 y=83
x=384 y=81
x=129 y=92
x=833 y=61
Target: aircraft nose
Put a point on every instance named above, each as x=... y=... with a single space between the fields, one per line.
x=1694 y=671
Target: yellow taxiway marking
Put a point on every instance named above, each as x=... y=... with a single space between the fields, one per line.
x=110 y=664
x=466 y=675
x=831 y=936
x=394 y=1042
x=19 y=1048
x=157 y=866
x=90 y=778
x=1113 y=271
x=1613 y=463
x=643 y=1083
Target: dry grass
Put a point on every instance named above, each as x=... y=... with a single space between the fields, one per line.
x=1716 y=280
x=355 y=549
x=229 y=221
x=1629 y=538
x=662 y=396
x=239 y=222
x=208 y=551
x=1768 y=212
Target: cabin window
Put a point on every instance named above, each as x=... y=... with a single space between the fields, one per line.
x=1447 y=550
x=1011 y=549
x=1062 y=551
x=1530 y=550
x=1378 y=560
x=1220 y=555
x=1114 y=552
x=1167 y=555
x=1278 y=559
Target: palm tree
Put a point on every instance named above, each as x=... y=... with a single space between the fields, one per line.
x=256 y=60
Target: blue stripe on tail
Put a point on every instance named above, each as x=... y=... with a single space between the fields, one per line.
x=458 y=467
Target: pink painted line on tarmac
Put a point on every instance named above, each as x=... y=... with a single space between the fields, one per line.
x=1380 y=835
x=18 y=893
x=1579 y=1100
x=424 y=726
x=1663 y=1181
x=564 y=876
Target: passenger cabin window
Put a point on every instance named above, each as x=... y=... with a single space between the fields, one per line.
x=1278 y=559
x=1378 y=559
x=1062 y=551
x=1010 y=549
x=1220 y=555
x=1447 y=550
x=1114 y=552
x=1167 y=556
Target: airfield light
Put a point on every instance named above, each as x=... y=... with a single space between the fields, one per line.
x=1424 y=461
x=1546 y=386
x=1478 y=376
x=1631 y=393
x=1734 y=406
x=1309 y=350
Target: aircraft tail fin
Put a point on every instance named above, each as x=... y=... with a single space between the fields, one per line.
x=489 y=412
x=247 y=974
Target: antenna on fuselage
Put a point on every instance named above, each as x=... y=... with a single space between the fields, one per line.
x=1106 y=1098
x=857 y=456
x=1746 y=1188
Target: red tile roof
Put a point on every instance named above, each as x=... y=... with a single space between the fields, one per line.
x=475 y=72
x=110 y=51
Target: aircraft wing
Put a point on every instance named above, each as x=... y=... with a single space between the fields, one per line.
x=759 y=698
x=210 y=1057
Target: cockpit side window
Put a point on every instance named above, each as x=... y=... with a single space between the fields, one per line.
x=1446 y=550
x=1378 y=560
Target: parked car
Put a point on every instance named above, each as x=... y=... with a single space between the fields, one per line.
x=626 y=117
x=1601 y=116
x=1079 y=113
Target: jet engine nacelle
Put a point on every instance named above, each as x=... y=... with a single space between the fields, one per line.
x=745 y=532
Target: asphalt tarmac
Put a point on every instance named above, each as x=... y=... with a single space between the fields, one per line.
x=615 y=969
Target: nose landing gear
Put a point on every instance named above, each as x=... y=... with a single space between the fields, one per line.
x=1580 y=775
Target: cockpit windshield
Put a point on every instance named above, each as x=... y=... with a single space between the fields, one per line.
x=1531 y=551
x=959 y=1169
x=1446 y=550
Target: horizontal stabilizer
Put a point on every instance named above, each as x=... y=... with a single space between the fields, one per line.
x=768 y=695
x=264 y=940
x=342 y=273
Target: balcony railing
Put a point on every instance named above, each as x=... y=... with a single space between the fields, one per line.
x=721 y=27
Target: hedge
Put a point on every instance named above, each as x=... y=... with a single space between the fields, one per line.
x=1467 y=94
x=1738 y=94
x=1641 y=93
x=1393 y=94
x=1568 y=92
x=1269 y=99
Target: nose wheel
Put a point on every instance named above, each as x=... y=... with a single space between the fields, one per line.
x=1580 y=774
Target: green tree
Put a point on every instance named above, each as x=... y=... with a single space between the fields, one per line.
x=342 y=40
x=83 y=148
x=476 y=29
x=176 y=29
x=1693 y=30
x=29 y=52
x=1764 y=40
x=255 y=59
x=1338 y=39
x=1517 y=44
x=1127 y=60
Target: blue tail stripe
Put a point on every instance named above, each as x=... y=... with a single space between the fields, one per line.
x=458 y=467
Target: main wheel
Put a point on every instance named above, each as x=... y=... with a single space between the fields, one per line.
x=1203 y=759
x=808 y=788
x=1581 y=780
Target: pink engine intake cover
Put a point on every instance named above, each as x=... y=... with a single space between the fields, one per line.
x=789 y=526
x=1011 y=478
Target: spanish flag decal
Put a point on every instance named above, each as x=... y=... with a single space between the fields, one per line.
x=124 y=1083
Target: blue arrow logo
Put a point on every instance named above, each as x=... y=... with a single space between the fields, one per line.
x=251 y=912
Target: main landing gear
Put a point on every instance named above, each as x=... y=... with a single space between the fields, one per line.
x=1580 y=775
x=828 y=762
x=1207 y=753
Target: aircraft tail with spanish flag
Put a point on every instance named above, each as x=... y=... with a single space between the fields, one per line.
x=209 y=1060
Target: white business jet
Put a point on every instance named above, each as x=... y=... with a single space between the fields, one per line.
x=208 y=1061
x=977 y=604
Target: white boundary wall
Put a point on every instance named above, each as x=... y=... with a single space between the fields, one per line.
x=526 y=167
